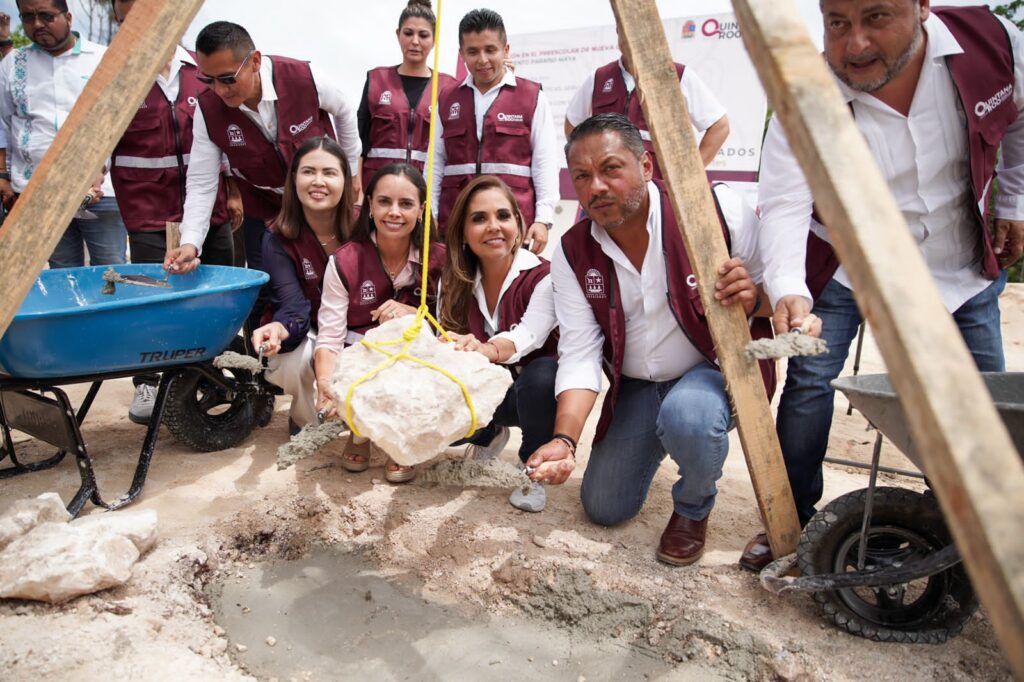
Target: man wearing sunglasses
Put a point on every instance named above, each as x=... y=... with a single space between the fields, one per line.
x=39 y=85
x=257 y=110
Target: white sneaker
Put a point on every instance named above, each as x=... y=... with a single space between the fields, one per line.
x=142 y=404
x=529 y=497
x=491 y=450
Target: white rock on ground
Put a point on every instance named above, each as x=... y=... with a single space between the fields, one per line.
x=24 y=515
x=413 y=412
x=58 y=561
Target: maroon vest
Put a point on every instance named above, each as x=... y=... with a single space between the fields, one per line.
x=610 y=96
x=596 y=274
x=368 y=284
x=260 y=163
x=398 y=132
x=150 y=161
x=310 y=263
x=504 y=150
x=983 y=76
x=512 y=307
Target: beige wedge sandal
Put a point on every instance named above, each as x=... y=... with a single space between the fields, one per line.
x=353 y=450
x=403 y=475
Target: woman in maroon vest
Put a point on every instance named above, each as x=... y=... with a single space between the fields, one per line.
x=496 y=299
x=315 y=217
x=375 y=277
x=394 y=113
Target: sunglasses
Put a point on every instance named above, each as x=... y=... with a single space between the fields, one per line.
x=226 y=80
x=30 y=18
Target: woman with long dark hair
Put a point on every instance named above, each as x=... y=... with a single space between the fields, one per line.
x=373 y=278
x=394 y=113
x=315 y=216
x=496 y=299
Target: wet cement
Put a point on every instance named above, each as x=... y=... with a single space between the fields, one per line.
x=334 y=616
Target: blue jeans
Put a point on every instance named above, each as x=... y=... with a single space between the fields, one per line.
x=530 y=405
x=806 y=405
x=105 y=237
x=688 y=418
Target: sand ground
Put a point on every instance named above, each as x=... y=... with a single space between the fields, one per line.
x=223 y=515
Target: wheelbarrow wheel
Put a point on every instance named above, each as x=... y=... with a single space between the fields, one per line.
x=905 y=525
x=203 y=416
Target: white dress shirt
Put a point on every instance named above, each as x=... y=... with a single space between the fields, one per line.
x=37 y=93
x=546 y=161
x=705 y=109
x=539 y=319
x=171 y=85
x=924 y=159
x=205 y=163
x=656 y=348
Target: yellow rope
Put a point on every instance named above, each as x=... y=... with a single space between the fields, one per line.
x=423 y=312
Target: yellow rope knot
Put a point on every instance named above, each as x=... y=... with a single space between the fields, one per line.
x=423 y=312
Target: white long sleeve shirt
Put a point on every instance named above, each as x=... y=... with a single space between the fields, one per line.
x=705 y=109
x=656 y=348
x=924 y=159
x=37 y=93
x=205 y=162
x=546 y=161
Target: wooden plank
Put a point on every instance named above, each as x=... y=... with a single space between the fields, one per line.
x=669 y=121
x=966 y=450
x=109 y=102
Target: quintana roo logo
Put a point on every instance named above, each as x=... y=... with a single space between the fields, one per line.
x=235 y=136
x=595 y=284
x=296 y=129
x=367 y=292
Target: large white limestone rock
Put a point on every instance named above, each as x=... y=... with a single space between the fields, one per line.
x=58 y=561
x=24 y=515
x=410 y=411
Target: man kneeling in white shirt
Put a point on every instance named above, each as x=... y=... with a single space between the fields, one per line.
x=626 y=299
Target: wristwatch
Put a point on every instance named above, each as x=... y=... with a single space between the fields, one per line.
x=546 y=224
x=5 y=176
x=7 y=43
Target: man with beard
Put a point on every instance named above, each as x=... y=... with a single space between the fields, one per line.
x=39 y=85
x=936 y=95
x=627 y=302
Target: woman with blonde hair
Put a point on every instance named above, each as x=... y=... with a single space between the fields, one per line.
x=495 y=299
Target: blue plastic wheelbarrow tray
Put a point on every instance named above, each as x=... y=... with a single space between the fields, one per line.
x=68 y=331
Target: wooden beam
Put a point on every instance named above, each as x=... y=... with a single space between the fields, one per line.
x=110 y=100
x=644 y=42
x=966 y=450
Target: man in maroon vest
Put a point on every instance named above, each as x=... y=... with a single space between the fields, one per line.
x=148 y=168
x=494 y=123
x=257 y=111
x=627 y=301
x=612 y=88
x=935 y=94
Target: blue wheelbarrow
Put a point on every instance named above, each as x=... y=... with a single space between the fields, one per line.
x=880 y=561
x=78 y=327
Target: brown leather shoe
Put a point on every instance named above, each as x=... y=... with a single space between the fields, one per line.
x=682 y=543
x=757 y=554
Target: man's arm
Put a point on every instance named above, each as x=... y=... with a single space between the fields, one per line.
x=707 y=114
x=544 y=167
x=440 y=161
x=1009 y=210
x=201 y=185
x=346 y=124
x=714 y=138
x=785 y=204
x=580 y=106
x=579 y=372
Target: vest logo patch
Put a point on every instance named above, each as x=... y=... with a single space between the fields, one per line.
x=385 y=98
x=193 y=102
x=367 y=293
x=691 y=281
x=608 y=85
x=983 y=109
x=595 y=284
x=235 y=136
x=307 y=269
x=143 y=105
x=510 y=118
x=454 y=111
x=295 y=130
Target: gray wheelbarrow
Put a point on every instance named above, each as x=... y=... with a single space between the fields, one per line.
x=880 y=562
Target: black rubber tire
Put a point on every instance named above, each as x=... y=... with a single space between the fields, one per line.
x=925 y=611
x=198 y=415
